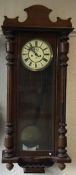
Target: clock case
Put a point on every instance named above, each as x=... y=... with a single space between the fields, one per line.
x=37 y=25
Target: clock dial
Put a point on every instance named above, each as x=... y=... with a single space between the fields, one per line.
x=36 y=54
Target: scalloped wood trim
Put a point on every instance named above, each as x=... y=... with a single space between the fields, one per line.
x=38 y=17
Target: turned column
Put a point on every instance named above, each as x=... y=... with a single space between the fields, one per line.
x=62 y=140
x=9 y=138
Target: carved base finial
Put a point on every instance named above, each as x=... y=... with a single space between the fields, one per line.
x=61 y=166
x=9 y=166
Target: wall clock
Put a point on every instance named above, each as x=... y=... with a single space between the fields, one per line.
x=36 y=90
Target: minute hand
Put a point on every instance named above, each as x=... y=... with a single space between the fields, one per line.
x=33 y=50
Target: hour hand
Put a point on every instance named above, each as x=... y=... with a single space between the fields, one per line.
x=33 y=50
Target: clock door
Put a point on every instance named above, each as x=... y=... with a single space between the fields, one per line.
x=35 y=100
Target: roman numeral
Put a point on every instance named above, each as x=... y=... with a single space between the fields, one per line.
x=24 y=53
x=41 y=44
x=27 y=47
x=30 y=44
x=36 y=43
x=30 y=63
x=45 y=48
x=45 y=59
x=26 y=59
x=41 y=63
x=35 y=65
x=46 y=54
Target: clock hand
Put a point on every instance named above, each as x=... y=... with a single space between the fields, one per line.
x=33 y=50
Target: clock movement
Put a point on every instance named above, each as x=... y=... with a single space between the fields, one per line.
x=37 y=58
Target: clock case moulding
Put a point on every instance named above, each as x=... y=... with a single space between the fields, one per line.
x=37 y=20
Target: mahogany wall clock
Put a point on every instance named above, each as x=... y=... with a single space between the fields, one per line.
x=36 y=90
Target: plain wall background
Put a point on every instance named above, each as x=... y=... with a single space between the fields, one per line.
x=64 y=9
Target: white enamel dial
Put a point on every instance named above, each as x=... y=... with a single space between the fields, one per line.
x=36 y=54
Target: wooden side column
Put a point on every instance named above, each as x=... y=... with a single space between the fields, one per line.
x=62 y=140
x=9 y=138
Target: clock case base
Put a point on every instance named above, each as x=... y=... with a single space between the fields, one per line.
x=33 y=165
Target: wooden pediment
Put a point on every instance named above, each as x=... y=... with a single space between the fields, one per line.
x=37 y=17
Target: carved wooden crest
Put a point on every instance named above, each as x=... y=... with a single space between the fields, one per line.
x=37 y=17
